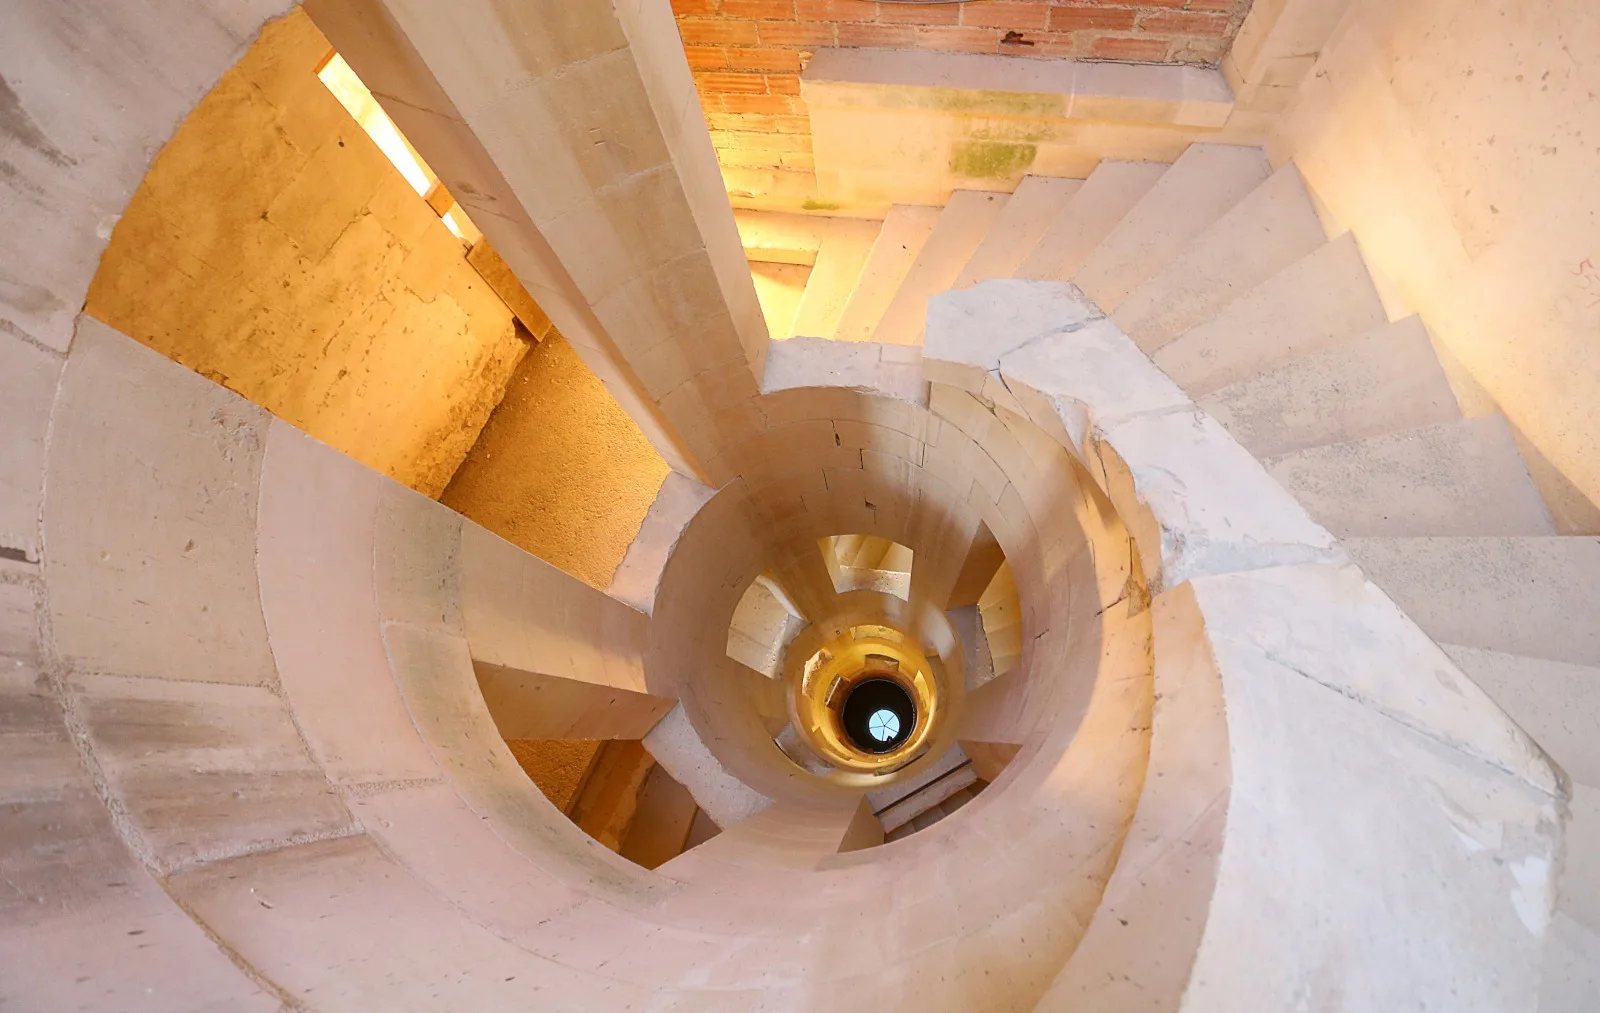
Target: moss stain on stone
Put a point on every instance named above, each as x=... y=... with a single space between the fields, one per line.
x=812 y=204
x=991 y=159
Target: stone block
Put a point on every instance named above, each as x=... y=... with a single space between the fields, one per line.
x=318 y=517
x=31 y=374
x=205 y=770
x=677 y=746
x=1423 y=863
x=154 y=473
x=417 y=564
x=340 y=924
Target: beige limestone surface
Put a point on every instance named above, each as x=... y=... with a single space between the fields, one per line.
x=1460 y=159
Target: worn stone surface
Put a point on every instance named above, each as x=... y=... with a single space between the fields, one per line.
x=82 y=924
x=1270 y=228
x=1310 y=305
x=1202 y=185
x=1435 y=852
x=32 y=373
x=153 y=567
x=1379 y=382
x=206 y=770
x=1196 y=501
x=1463 y=477
x=677 y=746
x=319 y=534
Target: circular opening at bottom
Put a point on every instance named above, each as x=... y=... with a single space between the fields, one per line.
x=878 y=715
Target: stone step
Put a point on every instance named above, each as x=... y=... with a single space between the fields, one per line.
x=899 y=805
x=977 y=663
x=1465 y=477
x=1318 y=301
x=1572 y=952
x=1386 y=380
x=962 y=225
x=1000 y=608
x=777 y=237
x=1555 y=702
x=1201 y=186
x=1270 y=229
x=905 y=232
x=840 y=259
x=1571 y=976
x=1037 y=202
x=1109 y=193
x=1537 y=597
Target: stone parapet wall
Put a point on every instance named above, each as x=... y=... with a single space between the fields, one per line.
x=747 y=55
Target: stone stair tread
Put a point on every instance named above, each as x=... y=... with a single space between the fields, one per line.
x=1320 y=300
x=906 y=230
x=779 y=237
x=1557 y=703
x=1385 y=380
x=1535 y=597
x=962 y=225
x=1571 y=978
x=1109 y=193
x=841 y=257
x=1201 y=186
x=1037 y=202
x=926 y=798
x=1274 y=226
x=883 y=797
x=1460 y=478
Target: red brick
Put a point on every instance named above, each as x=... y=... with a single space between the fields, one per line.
x=762 y=142
x=1114 y=47
x=1104 y=19
x=1225 y=6
x=835 y=10
x=1054 y=45
x=704 y=8
x=783 y=84
x=1021 y=17
x=793 y=33
x=1178 y=23
x=731 y=84
x=960 y=40
x=749 y=159
x=920 y=14
x=706 y=57
x=700 y=32
x=777 y=10
x=753 y=123
x=770 y=105
x=877 y=36
x=780 y=60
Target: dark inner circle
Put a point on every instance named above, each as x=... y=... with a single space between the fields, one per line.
x=868 y=698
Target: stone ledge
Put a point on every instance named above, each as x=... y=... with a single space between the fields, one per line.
x=1017 y=86
x=893 y=371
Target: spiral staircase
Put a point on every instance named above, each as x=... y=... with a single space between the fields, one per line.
x=1238 y=757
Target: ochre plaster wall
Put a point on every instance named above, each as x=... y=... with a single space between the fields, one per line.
x=558 y=766
x=1458 y=140
x=560 y=470
x=274 y=249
